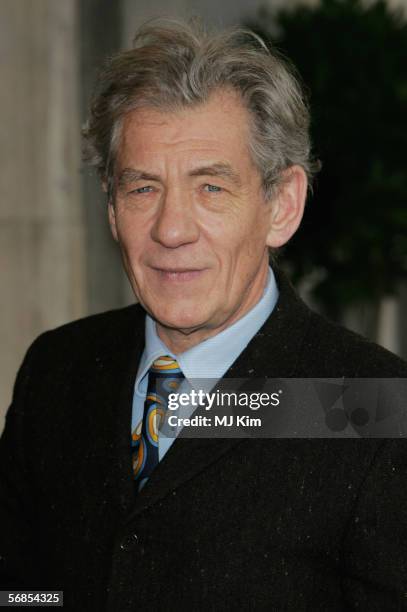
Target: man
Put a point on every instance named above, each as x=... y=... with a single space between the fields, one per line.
x=202 y=146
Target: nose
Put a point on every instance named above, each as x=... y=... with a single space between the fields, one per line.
x=175 y=224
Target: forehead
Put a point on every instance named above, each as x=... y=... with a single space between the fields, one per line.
x=218 y=127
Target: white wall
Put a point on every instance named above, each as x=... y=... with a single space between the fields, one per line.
x=41 y=229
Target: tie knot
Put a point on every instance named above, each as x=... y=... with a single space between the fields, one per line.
x=164 y=377
x=165 y=365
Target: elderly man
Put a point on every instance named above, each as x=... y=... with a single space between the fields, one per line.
x=202 y=146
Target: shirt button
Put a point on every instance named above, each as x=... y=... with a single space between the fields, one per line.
x=129 y=542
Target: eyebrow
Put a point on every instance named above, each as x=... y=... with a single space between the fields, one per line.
x=131 y=175
x=222 y=170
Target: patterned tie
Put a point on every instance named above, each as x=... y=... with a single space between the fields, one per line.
x=164 y=377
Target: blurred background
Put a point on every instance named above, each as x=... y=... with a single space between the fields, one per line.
x=57 y=259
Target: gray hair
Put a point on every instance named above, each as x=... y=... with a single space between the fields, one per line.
x=173 y=65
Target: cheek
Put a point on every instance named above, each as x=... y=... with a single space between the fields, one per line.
x=132 y=250
x=246 y=238
x=131 y=234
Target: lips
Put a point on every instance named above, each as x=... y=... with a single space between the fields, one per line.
x=177 y=270
x=178 y=274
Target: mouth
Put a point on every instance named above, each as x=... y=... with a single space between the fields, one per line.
x=178 y=274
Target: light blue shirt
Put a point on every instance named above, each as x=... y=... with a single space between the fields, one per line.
x=209 y=359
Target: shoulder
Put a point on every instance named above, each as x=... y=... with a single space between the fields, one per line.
x=307 y=345
x=94 y=326
x=91 y=335
x=341 y=352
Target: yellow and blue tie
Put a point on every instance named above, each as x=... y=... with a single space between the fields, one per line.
x=164 y=377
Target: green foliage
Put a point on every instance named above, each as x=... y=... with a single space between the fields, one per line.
x=353 y=59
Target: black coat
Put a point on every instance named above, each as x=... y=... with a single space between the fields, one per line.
x=281 y=524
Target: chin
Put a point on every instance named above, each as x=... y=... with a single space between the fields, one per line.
x=180 y=318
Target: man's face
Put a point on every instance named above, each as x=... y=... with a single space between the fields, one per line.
x=190 y=216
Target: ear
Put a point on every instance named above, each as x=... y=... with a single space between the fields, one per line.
x=112 y=220
x=287 y=207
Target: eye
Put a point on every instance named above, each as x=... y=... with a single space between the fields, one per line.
x=212 y=188
x=141 y=190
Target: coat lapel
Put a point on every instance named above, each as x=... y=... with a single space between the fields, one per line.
x=111 y=395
